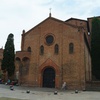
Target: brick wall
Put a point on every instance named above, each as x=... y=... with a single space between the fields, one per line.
x=68 y=67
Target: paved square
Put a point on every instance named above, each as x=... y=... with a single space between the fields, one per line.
x=20 y=93
x=5 y=98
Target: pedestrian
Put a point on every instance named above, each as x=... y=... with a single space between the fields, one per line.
x=64 y=86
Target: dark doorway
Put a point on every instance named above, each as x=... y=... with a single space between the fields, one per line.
x=49 y=78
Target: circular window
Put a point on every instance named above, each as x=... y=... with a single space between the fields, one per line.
x=49 y=39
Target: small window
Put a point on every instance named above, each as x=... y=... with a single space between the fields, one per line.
x=71 y=48
x=56 y=49
x=42 y=50
x=29 y=49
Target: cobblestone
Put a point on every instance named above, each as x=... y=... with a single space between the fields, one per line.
x=46 y=94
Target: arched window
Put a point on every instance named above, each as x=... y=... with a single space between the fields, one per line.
x=17 y=59
x=29 y=49
x=71 y=48
x=56 y=49
x=25 y=67
x=25 y=59
x=42 y=50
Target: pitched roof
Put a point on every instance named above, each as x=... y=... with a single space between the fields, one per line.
x=75 y=19
x=55 y=19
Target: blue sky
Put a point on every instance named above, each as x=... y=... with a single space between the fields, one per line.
x=16 y=15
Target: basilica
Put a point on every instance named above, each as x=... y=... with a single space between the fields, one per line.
x=54 y=52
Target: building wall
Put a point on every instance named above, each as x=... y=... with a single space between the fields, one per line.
x=70 y=68
x=80 y=23
x=77 y=22
x=87 y=61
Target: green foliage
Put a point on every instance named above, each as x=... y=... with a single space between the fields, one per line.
x=95 y=47
x=0 y=74
x=9 y=56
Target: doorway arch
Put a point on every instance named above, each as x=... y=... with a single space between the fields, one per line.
x=49 y=77
x=49 y=63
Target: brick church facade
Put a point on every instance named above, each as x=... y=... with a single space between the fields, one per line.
x=53 y=52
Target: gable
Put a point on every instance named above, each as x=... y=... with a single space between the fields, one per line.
x=51 y=22
x=50 y=26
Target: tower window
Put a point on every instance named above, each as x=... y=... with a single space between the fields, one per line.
x=71 y=48
x=42 y=50
x=56 y=49
x=29 y=49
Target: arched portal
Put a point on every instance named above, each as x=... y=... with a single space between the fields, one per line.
x=49 y=64
x=49 y=77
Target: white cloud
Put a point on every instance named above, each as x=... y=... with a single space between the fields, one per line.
x=16 y=15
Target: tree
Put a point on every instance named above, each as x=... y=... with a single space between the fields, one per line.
x=95 y=47
x=9 y=56
x=0 y=75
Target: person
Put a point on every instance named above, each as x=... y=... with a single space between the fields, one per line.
x=8 y=82
x=64 y=86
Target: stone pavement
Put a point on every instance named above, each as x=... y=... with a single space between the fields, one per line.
x=46 y=94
